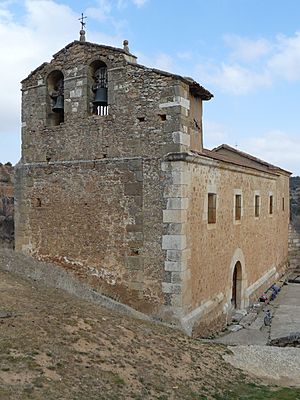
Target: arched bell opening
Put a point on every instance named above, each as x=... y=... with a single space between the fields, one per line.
x=55 y=104
x=236 y=297
x=99 y=88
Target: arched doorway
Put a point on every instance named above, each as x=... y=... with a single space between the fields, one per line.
x=236 y=298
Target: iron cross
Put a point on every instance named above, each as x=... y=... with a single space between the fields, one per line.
x=82 y=21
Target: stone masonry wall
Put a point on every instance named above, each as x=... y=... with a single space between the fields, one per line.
x=294 y=227
x=294 y=247
x=201 y=256
x=6 y=205
x=100 y=219
x=258 y=243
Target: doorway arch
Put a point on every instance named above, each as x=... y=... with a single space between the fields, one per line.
x=238 y=260
x=236 y=293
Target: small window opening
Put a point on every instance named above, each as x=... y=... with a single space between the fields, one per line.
x=271 y=205
x=256 y=206
x=238 y=207
x=283 y=204
x=212 y=208
x=163 y=117
x=141 y=119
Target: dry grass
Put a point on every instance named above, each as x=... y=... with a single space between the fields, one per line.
x=55 y=346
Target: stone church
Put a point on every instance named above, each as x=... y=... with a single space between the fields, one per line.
x=114 y=185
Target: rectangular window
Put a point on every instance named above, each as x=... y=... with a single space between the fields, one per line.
x=283 y=204
x=238 y=207
x=212 y=208
x=271 y=205
x=256 y=206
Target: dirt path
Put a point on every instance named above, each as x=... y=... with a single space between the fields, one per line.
x=276 y=365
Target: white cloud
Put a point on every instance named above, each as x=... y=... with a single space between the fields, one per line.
x=160 y=61
x=139 y=3
x=233 y=78
x=99 y=12
x=5 y=14
x=164 y=62
x=277 y=147
x=285 y=62
x=121 y=4
x=185 y=55
x=124 y=3
x=245 y=49
x=31 y=46
x=253 y=64
x=214 y=134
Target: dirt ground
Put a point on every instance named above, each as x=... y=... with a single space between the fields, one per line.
x=56 y=346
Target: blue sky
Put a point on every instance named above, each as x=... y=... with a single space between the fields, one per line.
x=246 y=52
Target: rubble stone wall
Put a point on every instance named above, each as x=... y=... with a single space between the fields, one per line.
x=6 y=205
x=201 y=257
x=294 y=227
x=294 y=247
x=99 y=219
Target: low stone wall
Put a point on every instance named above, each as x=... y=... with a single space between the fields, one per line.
x=294 y=247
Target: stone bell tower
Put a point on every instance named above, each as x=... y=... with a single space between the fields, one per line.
x=91 y=187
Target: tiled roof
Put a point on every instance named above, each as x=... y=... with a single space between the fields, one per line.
x=241 y=158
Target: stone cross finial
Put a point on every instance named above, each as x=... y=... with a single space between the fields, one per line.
x=125 y=44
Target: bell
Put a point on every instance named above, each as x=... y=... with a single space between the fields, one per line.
x=100 y=97
x=59 y=104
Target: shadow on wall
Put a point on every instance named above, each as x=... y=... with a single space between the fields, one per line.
x=6 y=205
